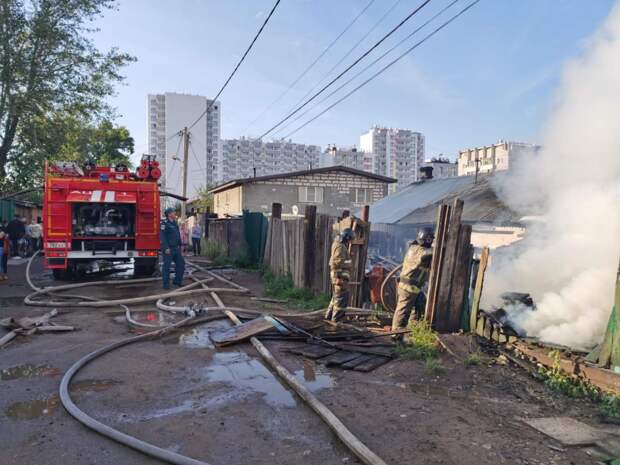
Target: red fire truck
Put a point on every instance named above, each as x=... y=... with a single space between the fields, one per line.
x=93 y=214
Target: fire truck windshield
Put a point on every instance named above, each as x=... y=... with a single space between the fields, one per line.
x=103 y=219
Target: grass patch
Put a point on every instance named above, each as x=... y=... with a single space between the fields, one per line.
x=240 y=259
x=282 y=287
x=434 y=366
x=422 y=342
x=474 y=359
x=573 y=386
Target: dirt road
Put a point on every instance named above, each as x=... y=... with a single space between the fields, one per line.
x=226 y=407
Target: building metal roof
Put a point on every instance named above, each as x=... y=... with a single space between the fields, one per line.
x=418 y=202
x=238 y=182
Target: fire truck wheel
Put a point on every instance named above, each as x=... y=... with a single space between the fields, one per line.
x=144 y=267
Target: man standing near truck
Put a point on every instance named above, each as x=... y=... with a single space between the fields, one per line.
x=170 y=238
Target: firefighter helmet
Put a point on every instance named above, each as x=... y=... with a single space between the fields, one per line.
x=425 y=237
x=346 y=235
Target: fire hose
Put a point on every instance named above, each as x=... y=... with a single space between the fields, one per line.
x=389 y=276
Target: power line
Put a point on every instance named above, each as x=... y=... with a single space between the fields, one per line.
x=310 y=66
x=390 y=64
x=370 y=65
x=345 y=56
x=407 y=18
x=273 y=9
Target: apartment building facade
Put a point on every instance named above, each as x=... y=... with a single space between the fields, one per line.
x=350 y=157
x=495 y=157
x=442 y=167
x=167 y=114
x=247 y=157
x=396 y=153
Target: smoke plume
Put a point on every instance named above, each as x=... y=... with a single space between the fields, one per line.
x=569 y=259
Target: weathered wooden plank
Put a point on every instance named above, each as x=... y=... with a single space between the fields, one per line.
x=443 y=213
x=484 y=260
x=351 y=364
x=442 y=319
x=460 y=284
x=339 y=358
x=371 y=364
x=313 y=352
x=241 y=332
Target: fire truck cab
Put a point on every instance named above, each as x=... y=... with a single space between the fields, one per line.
x=94 y=214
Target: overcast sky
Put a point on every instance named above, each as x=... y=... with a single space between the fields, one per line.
x=489 y=75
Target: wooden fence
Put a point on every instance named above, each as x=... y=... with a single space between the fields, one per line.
x=301 y=247
x=229 y=233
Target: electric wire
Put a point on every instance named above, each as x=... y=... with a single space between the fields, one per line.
x=344 y=57
x=273 y=9
x=370 y=65
x=348 y=68
x=310 y=66
x=390 y=64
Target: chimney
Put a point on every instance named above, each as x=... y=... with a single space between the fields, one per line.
x=426 y=172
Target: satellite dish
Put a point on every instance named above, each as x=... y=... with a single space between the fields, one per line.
x=295 y=210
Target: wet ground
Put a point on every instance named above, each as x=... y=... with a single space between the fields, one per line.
x=224 y=406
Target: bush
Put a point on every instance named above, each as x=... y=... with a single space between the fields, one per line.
x=422 y=342
x=434 y=366
x=473 y=359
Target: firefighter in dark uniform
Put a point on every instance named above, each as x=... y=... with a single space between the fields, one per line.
x=340 y=274
x=170 y=238
x=413 y=276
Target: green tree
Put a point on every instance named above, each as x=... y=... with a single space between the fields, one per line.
x=66 y=137
x=49 y=65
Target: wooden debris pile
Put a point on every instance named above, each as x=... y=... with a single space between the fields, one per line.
x=347 y=346
x=27 y=326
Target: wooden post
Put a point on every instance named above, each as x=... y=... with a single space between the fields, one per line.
x=309 y=235
x=443 y=213
x=366 y=213
x=473 y=318
x=276 y=210
x=448 y=266
x=459 y=285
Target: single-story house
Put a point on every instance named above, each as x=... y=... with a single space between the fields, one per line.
x=397 y=218
x=332 y=189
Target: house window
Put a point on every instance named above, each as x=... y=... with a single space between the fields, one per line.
x=362 y=196
x=310 y=194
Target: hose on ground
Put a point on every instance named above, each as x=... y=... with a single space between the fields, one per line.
x=389 y=276
x=108 y=431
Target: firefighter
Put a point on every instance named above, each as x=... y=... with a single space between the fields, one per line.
x=170 y=238
x=413 y=276
x=340 y=269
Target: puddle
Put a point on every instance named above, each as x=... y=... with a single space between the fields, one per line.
x=27 y=370
x=242 y=376
x=33 y=409
x=29 y=410
x=198 y=337
x=154 y=318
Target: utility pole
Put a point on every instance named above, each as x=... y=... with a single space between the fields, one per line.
x=185 y=135
x=477 y=162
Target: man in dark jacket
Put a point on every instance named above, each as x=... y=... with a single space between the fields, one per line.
x=170 y=238
x=16 y=229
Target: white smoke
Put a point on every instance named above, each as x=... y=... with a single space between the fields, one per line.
x=568 y=262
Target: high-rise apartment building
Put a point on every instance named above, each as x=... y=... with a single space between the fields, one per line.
x=396 y=153
x=169 y=113
x=241 y=157
x=350 y=157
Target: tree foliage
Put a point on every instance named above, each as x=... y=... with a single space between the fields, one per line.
x=50 y=68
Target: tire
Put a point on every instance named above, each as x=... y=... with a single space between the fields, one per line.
x=144 y=267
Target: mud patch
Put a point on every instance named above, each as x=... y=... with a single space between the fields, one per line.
x=27 y=370
x=33 y=409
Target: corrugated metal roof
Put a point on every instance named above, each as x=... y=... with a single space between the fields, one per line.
x=417 y=195
x=417 y=203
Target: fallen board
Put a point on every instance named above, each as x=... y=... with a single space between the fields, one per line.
x=566 y=430
x=339 y=358
x=313 y=352
x=371 y=364
x=351 y=364
x=241 y=332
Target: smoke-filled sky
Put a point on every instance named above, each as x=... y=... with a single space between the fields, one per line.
x=489 y=75
x=569 y=261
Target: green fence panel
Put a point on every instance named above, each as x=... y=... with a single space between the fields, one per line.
x=255 y=224
x=7 y=210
